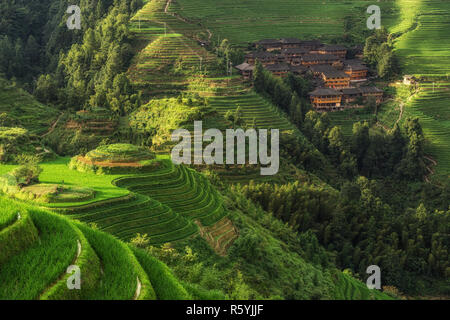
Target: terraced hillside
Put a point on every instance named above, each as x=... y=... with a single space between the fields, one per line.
x=169 y=57
x=22 y=109
x=432 y=108
x=349 y=289
x=39 y=247
x=220 y=236
x=163 y=204
x=253 y=20
x=225 y=93
x=424 y=50
x=170 y=38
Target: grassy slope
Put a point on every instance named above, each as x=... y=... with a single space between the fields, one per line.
x=349 y=288
x=23 y=108
x=54 y=172
x=166 y=202
x=153 y=70
x=48 y=258
x=252 y=20
x=7 y=217
x=424 y=50
x=266 y=249
x=38 y=271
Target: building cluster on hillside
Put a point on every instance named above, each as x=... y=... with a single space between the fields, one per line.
x=338 y=80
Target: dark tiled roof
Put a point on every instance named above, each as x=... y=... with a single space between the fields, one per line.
x=370 y=90
x=278 y=67
x=325 y=92
x=329 y=71
x=319 y=57
x=350 y=91
x=355 y=64
x=269 y=41
x=261 y=55
x=354 y=61
x=333 y=47
x=295 y=51
x=299 y=69
x=245 y=67
x=311 y=43
x=290 y=41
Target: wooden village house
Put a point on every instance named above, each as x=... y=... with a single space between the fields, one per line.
x=356 y=69
x=409 y=80
x=246 y=70
x=326 y=99
x=352 y=94
x=367 y=92
x=269 y=44
x=315 y=58
x=311 y=45
x=336 y=50
x=331 y=77
x=265 y=58
x=279 y=69
x=294 y=55
x=290 y=43
x=333 y=74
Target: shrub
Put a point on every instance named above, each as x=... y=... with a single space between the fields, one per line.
x=27 y=174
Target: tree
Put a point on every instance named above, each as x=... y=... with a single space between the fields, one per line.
x=259 y=77
x=378 y=52
x=28 y=172
x=360 y=141
x=335 y=143
x=412 y=166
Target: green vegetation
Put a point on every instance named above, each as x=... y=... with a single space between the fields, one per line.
x=27 y=274
x=110 y=269
x=268 y=19
x=119 y=153
x=378 y=53
x=266 y=248
x=423 y=50
x=160 y=117
x=350 y=289
x=57 y=172
x=355 y=188
x=167 y=286
x=120 y=270
x=17 y=231
x=163 y=205
x=116 y=158
x=16 y=144
x=382 y=237
x=20 y=109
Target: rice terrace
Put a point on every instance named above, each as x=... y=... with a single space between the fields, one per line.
x=224 y=150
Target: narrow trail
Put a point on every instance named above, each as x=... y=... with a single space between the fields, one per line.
x=52 y=128
x=79 y=249
x=434 y=162
x=179 y=17
x=166 y=11
x=402 y=105
x=430 y=168
x=138 y=289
